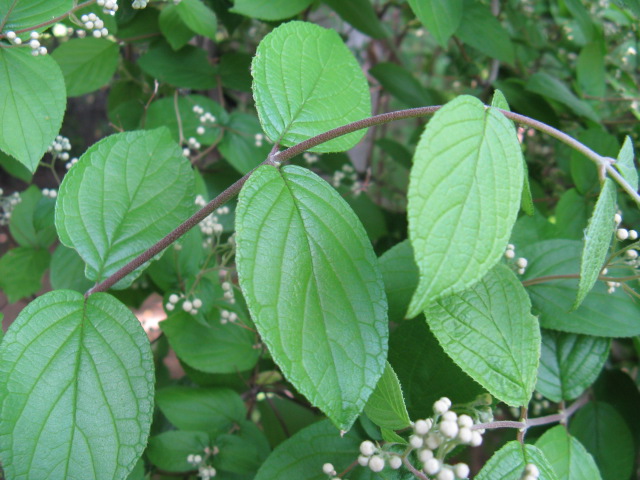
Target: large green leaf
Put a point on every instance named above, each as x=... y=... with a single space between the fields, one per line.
x=77 y=396
x=216 y=348
x=605 y=435
x=492 y=316
x=270 y=9
x=602 y=314
x=238 y=146
x=31 y=222
x=425 y=371
x=173 y=27
x=359 y=14
x=400 y=276
x=126 y=193
x=567 y=456
x=597 y=240
x=198 y=17
x=484 y=32
x=569 y=363
x=26 y=14
x=550 y=87
x=211 y=410
x=86 y=63
x=188 y=67
x=626 y=165
x=464 y=197
x=32 y=104
x=67 y=270
x=510 y=461
x=21 y=271
x=313 y=288
x=386 y=406
x=441 y=17
x=305 y=82
x=590 y=68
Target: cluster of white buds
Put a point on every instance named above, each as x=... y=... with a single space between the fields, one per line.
x=59 y=148
x=71 y=163
x=376 y=458
x=520 y=263
x=537 y=405
x=310 y=158
x=228 y=294
x=189 y=306
x=92 y=23
x=623 y=234
x=49 y=192
x=328 y=469
x=142 y=284
x=531 y=472
x=347 y=171
x=13 y=37
x=258 y=139
x=34 y=43
x=205 y=119
x=211 y=226
x=226 y=316
x=193 y=144
x=110 y=7
x=205 y=471
x=139 y=4
x=611 y=286
x=7 y=204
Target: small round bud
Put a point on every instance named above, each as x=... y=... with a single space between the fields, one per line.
x=395 y=462
x=449 y=428
x=34 y=35
x=509 y=254
x=425 y=454
x=197 y=303
x=632 y=254
x=173 y=298
x=446 y=474
x=433 y=441
x=376 y=463
x=617 y=218
x=187 y=306
x=461 y=470
x=422 y=427
x=17 y=41
x=416 y=441
x=622 y=234
x=532 y=470
x=363 y=460
x=34 y=44
x=328 y=469
x=476 y=439
x=367 y=448
x=465 y=435
x=633 y=235
x=200 y=130
x=522 y=262
x=450 y=416
x=11 y=35
x=169 y=307
x=431 y=466
x=439 y=407
x=465 y=421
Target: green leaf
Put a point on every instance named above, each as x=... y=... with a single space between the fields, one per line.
x=31 y=223
x=425 y=372
x=441 y=17
x=234 y=71
x=238 y=146
x=173 y=27
x=386 y=406
x=67 y=271
x=33 y=99
x=21 y=271
x=218 y=348
x=359 y=14
x=169 y=450
x=163 y=113
x=14 y=168
x=464 y=197
x=632 y=6
x=77 y=396
x=481 y=30
x=400 y=276
x=510 y=461
x=401 y=83
x=569 y=364
x=198 y=17
x=618 y=389
x=572 y=215
x=16 y=15
x=584 y=171
x=270 y=9
x=552 y=88
x=605 y=435
x=305 y=82
x=590 y=69
x=302 y=456
x=201 y=409
x=188 y=67
x=126 y=192
x=601 y=314
x=244 y=451
x=626 y=165
x=312 y=285
x=492 y=316
x=86 y=63
x=567 y=456
x=597 y=240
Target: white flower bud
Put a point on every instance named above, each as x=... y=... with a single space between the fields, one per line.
x=395 y=462
x=416 y=441
x=465 y=435
x=522 y=262
x=632 y=254
x=431 y=466
x=328 y=469
x=197 y=303
x=446 y=474
x=376 y=463
x=367 y=447
x=425 y=454
x=169 y=307
x=617 y=218
x=509 y=254
x=200 y=130
x=532 y=470
x=450 y=416
x=465 y=421
x=449 y=428
x=173 y=298
x=476 y=439
x=422 y=427
x=363 y=460
x=34 y=44
x=633 y=235
x=461 y=470
x=187 y=306
x=433 y=441
x=622 y=234
x=11 y=35
x=439 y=407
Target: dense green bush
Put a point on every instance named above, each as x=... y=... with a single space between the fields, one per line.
x=410 y=309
